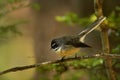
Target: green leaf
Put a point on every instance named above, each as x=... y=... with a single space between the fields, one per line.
x=69 y=18
x=97 y=62
x=35 y=6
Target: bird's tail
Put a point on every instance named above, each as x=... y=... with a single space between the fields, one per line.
x=91 y=27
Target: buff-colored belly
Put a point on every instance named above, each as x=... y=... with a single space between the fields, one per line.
x=68 y=52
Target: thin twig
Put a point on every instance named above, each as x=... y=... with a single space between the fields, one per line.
x=21 y=68
x=105 y=41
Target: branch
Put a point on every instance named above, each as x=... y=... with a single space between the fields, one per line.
x=105 y=41
x=21 y=68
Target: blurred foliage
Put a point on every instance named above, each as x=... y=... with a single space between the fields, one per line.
x=73 y=19
x=95 y=67
x=78 y=67
x=116 y=50
x=114 y=24
x=35 y=6
x=8 y=26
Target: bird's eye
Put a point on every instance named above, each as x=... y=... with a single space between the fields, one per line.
x=54 y=44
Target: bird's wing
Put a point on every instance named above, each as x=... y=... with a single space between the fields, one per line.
x=91 y=27
x=74 y=41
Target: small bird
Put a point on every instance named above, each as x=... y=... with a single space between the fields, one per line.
x=69 y=45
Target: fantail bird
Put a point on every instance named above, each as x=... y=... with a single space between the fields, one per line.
x=68 y=45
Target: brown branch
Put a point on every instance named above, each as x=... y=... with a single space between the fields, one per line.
x=105 y=41
x=21 y=68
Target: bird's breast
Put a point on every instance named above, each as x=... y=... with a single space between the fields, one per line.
x=68 y=52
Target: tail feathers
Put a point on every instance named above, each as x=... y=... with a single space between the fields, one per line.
x=91 y=27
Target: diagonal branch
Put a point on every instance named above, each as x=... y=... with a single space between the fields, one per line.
x=22 y=68
x=105 y=41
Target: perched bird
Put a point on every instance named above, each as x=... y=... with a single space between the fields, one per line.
x=68 y=45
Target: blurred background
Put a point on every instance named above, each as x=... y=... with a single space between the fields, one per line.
x=28 y=26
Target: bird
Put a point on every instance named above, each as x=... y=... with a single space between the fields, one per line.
x=69 y=45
